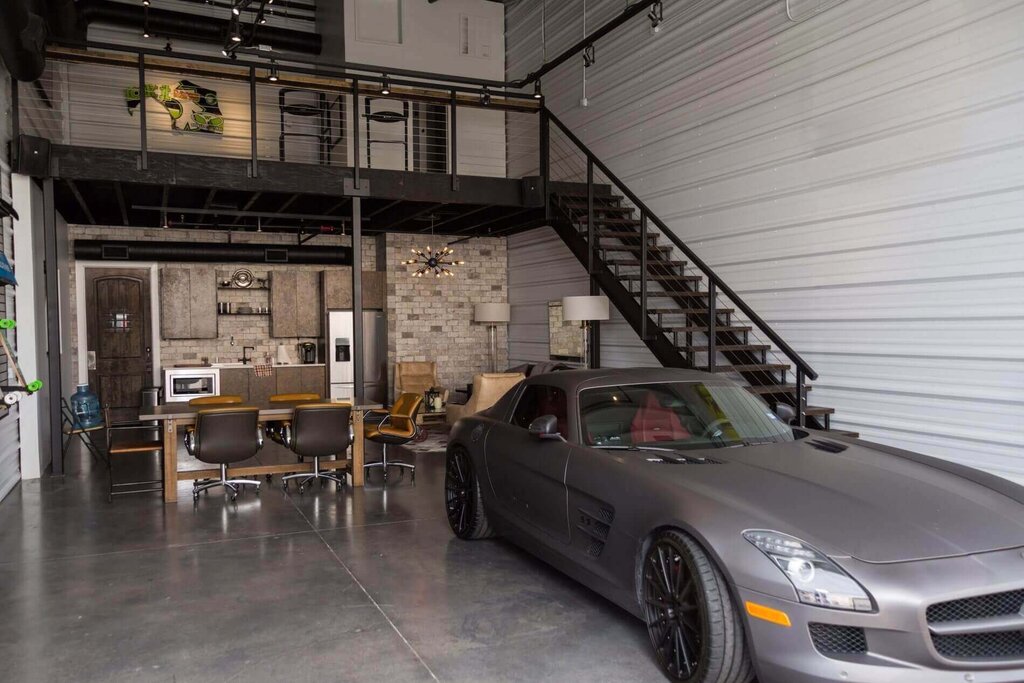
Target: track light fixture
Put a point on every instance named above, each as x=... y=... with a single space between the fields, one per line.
x=385 y=85
x=145 y=3
x=272 y=76
x=145 y=21
x=485 y=97
x=536 y=90
x=656 y=15
x=233 y=32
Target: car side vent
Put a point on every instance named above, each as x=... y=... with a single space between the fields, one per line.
x=827 y=446
x=596 y=525
x=830 y=639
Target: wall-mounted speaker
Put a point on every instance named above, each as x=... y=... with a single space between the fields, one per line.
x=32 y=156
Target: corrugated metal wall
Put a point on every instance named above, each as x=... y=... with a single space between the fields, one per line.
x=857 y=176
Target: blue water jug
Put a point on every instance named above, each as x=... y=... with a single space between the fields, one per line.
x=85 y=406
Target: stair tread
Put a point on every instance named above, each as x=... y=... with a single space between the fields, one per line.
x=819 y=410
x=765 y=389
x=633 y=247
x=730 y=347
x=597 y=197
x=703 y=328
x=756 y=367
x=688 y=311
x=605 y=220
x=636 y=262
x=672 y=295
x=597 y=207
x=625 y=234
x=661 y=278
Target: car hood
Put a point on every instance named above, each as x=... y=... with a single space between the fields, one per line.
x=866 y=501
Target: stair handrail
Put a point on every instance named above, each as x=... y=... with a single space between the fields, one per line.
x=712 y=277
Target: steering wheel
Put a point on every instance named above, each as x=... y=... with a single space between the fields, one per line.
x=714 y=430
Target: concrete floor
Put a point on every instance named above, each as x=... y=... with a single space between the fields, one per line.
x=367 y=585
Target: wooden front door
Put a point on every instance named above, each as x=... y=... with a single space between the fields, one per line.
x=119 y=334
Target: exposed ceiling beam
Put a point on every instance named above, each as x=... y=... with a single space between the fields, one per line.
x=499 y=222
x=81 y=201
x=236 y=212
x=120 y=202
x=459 y=216
x=399 y=222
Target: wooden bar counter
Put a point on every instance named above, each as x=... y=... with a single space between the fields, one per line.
x=177 y=415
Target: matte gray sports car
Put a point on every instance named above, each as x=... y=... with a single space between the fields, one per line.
x=744 y=545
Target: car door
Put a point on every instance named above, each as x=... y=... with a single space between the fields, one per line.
x=528 y=475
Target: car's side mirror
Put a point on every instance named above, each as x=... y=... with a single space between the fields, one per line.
x=545 y=428
x=785 y=412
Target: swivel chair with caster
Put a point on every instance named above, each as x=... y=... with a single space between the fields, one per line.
x=319 y=430
x=397 y=427
x=223 y=436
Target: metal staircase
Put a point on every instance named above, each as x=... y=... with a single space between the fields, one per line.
x=685 y=314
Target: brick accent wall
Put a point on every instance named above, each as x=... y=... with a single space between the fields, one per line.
x=432 y=318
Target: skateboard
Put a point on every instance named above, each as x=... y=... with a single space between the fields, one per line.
x=12 y=393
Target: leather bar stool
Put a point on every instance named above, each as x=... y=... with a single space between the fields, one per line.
x=226 y=399
x=223 y=436
x=397 y=428
x=319 y=430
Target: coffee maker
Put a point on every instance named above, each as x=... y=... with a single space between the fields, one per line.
x=307 y=353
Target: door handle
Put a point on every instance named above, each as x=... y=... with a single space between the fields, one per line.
x=91 y=364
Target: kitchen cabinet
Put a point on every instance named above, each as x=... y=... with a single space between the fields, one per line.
x=188 y=302
x=262 y=388
x=301 y=379
x=283 y=291
x=337 y=289
x=295 y=304
x=235 y=382
x=307 y=306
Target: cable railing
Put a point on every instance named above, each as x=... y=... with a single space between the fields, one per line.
x=697 y=323
x=122 y=98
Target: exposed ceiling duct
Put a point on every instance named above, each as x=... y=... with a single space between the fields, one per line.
x=196 y=27
x=22 y=38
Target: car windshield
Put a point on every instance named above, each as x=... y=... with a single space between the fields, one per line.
x=677 y=415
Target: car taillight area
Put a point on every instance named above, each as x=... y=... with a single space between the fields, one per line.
x=985 y=628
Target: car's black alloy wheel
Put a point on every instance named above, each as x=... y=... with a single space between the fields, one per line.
x=462 y=497
x=696 y=632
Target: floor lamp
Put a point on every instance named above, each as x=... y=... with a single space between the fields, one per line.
x=585 y=309
x=492 y=315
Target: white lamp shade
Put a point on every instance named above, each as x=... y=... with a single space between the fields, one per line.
x=584 y=308
x=491 y=313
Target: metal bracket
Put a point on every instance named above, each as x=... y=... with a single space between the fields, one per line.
x=589 y=56
x=349 y=189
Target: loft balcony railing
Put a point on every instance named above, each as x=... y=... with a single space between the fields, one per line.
x=275 y=113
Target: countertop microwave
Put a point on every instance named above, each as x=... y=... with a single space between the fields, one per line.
x=185 y=384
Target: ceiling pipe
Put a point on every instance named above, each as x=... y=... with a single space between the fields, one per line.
x=195 y=27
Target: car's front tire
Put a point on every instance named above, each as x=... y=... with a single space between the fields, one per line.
x=695 y=628
x=463 y=501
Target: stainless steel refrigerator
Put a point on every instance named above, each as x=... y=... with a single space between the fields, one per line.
x=341 y=352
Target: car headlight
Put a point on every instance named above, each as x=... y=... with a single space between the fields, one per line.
x=817 y=579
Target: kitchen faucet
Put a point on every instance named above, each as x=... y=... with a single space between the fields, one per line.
x=245 y=357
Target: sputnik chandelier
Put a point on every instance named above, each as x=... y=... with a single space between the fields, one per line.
x=429 y=262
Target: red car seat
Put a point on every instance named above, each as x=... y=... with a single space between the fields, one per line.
x=655 y=422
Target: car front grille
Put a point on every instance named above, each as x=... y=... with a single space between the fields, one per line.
x=999 y=645
x=947 y=618
x=993 y=605
x=830 y=639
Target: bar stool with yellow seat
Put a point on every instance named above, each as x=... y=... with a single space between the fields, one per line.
x=224 y=399
x=223 y=436
x=278 y=430
x=319 y=430
x=397 y=428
